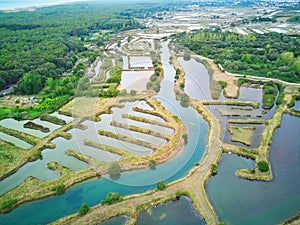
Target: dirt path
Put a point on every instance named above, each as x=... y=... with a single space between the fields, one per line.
x=193 y=183
x=231 y=88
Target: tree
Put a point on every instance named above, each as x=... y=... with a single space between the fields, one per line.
x=184 y=99
x=112 y=197
x=2 y=83
x=185 y=138
x=114 y=170
x=186 y=55
x=152 y=164
x=214 y=169
x=30 y=84
x=161 y=185
x=296 y=65
x=287 y=57
x=182 y=85
x=263 y=166
x=132 y=92
x=59 y=189
x=84 y=208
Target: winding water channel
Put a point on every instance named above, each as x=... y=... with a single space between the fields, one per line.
x=235 y=200
x=93 y=191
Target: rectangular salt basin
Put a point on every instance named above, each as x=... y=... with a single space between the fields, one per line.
x=135 y=80
x=16 y=141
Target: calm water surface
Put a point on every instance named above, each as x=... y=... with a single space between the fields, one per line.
x=177 y=212
x=238 y=201
x=93 y=191
x=117 y=220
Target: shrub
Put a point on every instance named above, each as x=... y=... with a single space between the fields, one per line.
x=59 y=189
x=132 y=92
x=84 y=208
x=184 y=99
x=182 y=85
x=186 y=56
x=280 y=98
x=123 y=92
x=223 y=84
x=214 y=169
x=185 y=137
x=153 y=78
x=152 y=164
x=8 y=203
x=112 y=197
x=263 y=166
x=161 y=185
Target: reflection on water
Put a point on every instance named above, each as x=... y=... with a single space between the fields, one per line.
x=297 y=105
x=196 y=79
x=117 y=220
x=238 y=201
x=177 y=212
x=138 y=181
x=16 y=141
x=135 y=80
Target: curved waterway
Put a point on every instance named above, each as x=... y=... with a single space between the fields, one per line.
x=93 y=191
x=238 y=201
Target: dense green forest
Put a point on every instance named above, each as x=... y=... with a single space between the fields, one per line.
x=45 y=43
x=268 y=55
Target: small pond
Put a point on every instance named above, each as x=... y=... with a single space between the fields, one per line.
x=196 y=79
x=135 y=80
x=239 y=201
x=297 y=105
x=176 y=212
x=117 y=220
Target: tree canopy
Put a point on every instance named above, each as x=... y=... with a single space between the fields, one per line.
x=268 y=55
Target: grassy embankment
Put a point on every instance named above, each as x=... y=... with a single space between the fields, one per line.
x=292 y=111
x=52 y=119
x=105 y=67
x=20 y=157
x=254 y=105
x=140 y=130
x=237 y=112
x=34 y=126
x=32 y=188
x=179 y=77
x=43 y=189
x=260 y=154
x=241 y=134
x=191 y=185
x=161 y=153
x=48 y=105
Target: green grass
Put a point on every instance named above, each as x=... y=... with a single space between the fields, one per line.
x=241 y=134
x=31 y=112
x=52 y=119
x=269 y=94
x=6 y=156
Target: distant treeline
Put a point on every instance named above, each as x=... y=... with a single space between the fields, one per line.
x=45 y=43
x=268 y=55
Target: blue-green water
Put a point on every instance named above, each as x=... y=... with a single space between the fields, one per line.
x=177 y=212
x=297 y=105
x=238 y=201
x=93 y=191
x=117 y=220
